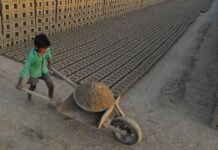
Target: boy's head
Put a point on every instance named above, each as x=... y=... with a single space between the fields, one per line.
x=41 y=41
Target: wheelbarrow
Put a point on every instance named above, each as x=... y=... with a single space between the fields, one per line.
x=124 y=128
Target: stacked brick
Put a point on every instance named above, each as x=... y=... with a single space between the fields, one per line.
x=63 y=15
x=17 y=20
x=49 y=11
x=20 y=20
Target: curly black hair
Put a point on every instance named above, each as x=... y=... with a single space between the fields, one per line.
x=42 y=41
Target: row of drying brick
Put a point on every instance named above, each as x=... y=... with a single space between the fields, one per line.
x=104 y=57
x=81 y=41
x=69 y=69
x=132 y=61
x=128 y=81
x=17 y=50
x=103 y=47
x=75 y=36
x=120 y=54
x=188 y=21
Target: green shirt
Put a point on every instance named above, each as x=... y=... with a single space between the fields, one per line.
x=36 y=65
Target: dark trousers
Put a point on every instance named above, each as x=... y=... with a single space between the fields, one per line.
x=45 y=77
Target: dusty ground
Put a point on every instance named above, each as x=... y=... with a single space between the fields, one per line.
x=172 y=103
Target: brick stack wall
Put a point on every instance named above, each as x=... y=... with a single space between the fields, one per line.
x=21 y=20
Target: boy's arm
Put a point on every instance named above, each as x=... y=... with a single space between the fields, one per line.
x=20 y=85
x=49 y=64
x=23 y=73
x=49 y=57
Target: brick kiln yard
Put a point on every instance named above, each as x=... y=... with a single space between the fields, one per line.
x=119 y=51
x=173 y=103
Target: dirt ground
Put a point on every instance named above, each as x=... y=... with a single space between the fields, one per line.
x=173 y=103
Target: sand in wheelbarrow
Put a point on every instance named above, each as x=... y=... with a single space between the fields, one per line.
x=94 y=96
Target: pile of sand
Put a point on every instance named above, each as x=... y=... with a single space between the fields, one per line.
x=94 y=96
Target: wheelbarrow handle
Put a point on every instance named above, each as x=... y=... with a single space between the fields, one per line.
x=64 y=78
x=49 y=100
x=37 y=94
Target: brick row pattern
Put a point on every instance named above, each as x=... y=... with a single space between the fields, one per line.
x=119 y=51
x=21 y=20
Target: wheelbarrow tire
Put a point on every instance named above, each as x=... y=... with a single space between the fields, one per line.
x=134 y=133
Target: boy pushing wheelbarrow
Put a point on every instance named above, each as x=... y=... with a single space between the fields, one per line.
x=36 y=66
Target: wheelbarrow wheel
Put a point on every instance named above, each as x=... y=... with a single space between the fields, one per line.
x=133 y=131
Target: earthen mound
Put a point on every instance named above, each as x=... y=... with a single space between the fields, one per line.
x=94 y=97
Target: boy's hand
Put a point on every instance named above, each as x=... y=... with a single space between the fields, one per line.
x=19 y=86
x=49 y=65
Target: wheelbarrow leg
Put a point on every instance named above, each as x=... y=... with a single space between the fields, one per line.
x=124 y=128
x=119 y=110
x=108 y=112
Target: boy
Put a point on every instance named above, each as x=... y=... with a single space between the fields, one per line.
x=36 y=66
